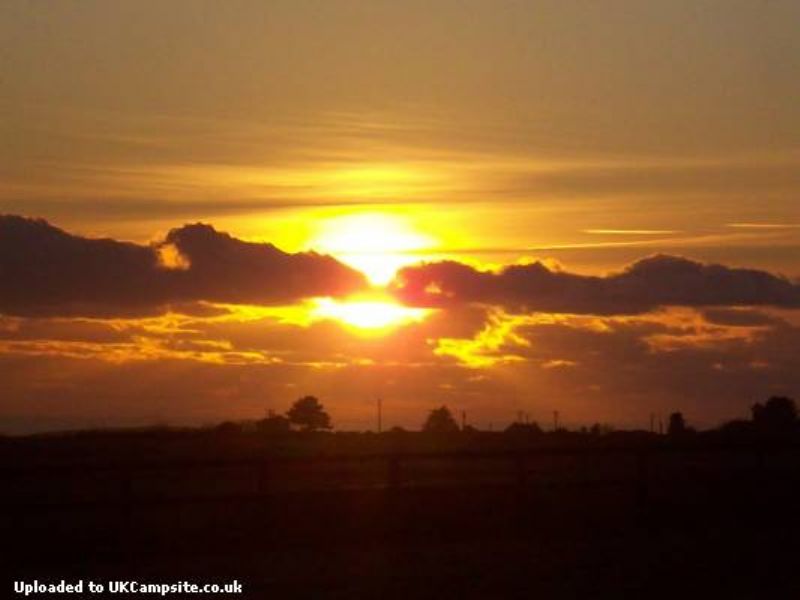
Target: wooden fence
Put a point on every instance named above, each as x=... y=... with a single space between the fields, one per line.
x=31 y=488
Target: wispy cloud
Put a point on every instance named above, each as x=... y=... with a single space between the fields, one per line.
x=763 y=225
x=630 y=231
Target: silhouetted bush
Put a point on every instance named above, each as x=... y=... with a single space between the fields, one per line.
x=523 y=429
x=273 y=425
x=600 y=429
x=228 y=428
x=677 y=426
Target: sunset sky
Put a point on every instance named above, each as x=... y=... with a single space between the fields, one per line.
x=213 y=208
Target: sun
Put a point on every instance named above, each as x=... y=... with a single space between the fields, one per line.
x=368 y=312
x=377 y=244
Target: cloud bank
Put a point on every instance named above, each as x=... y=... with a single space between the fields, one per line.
x=653 y=282
x=46 y=271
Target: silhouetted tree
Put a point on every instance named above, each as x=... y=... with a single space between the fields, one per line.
x=777 y=415
x=309 y=414
x=677 y=424
x=440 y=420
x=273 y=424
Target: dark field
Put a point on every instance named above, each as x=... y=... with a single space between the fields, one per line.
x=407 y=516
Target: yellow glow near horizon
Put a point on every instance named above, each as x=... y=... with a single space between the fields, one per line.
x=368 y=313
x=375 y=311
x=377 y=244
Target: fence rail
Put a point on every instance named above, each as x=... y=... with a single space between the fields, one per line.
x=396 y=470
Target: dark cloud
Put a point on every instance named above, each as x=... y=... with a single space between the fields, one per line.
x=19 y=329
x=46 y=271
x=740 y=317
x=652 y=282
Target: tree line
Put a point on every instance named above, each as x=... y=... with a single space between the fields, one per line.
x=776 y=416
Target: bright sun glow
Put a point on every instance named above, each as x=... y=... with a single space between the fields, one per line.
x=368 y=313
x=374 y=243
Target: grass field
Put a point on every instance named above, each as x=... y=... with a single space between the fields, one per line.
x=561 y=521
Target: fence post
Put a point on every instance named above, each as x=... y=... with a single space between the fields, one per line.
x=761 y=461
x=127 y=526
x=521 y=475
x=764 y=491
x=520 y=467
x=263 y=496
x=393 y=472
x=264 y=478
x=641 y=484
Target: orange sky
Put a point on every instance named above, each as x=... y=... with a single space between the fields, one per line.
x=584 y=135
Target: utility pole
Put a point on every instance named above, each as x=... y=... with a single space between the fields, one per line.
x=555 y=420
x=652 y=423
x=463 y=419
x=380 y=414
